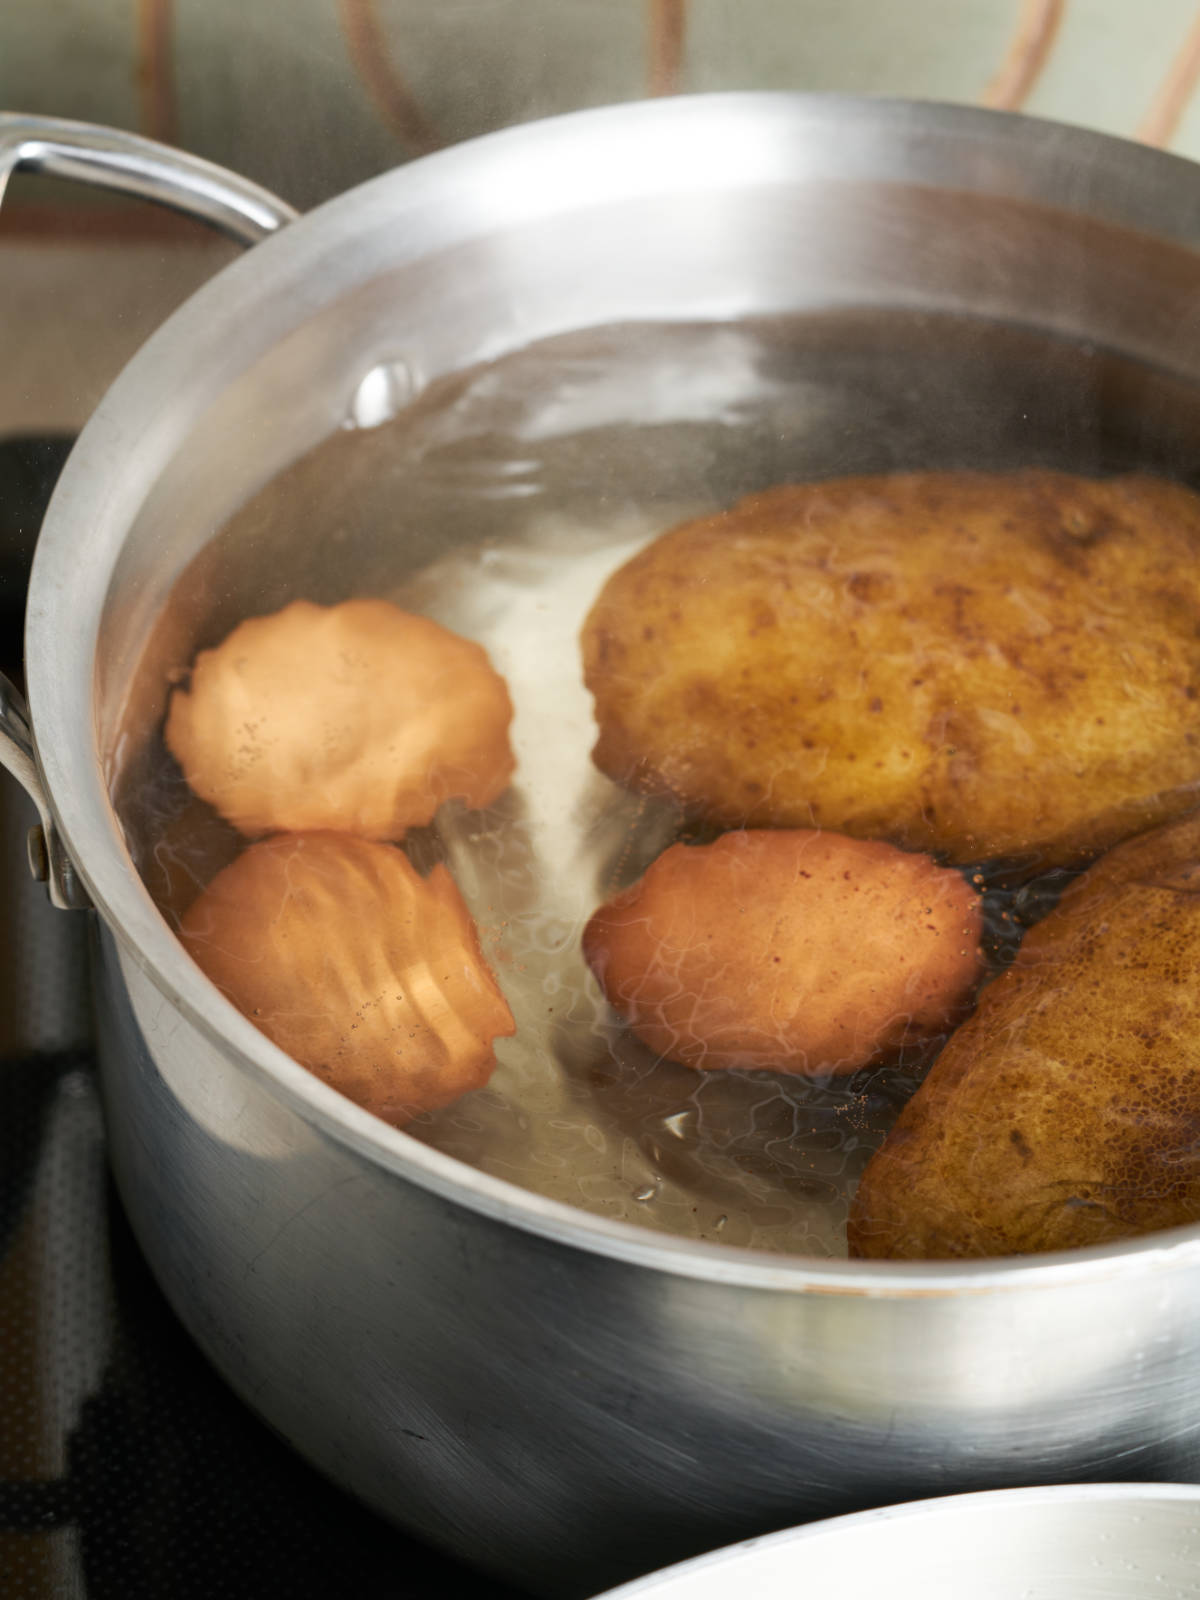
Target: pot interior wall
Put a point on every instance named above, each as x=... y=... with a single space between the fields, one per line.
x=712 y=256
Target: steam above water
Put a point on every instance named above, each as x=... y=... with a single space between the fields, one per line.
x=498 y=503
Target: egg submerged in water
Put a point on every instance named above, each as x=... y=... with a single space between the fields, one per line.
x=356 y=718
x=793 y=950
x=363 y=971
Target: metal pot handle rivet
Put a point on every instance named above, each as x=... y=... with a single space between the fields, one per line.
x=109 y=159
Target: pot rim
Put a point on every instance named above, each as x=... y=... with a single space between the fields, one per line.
x=244 y=307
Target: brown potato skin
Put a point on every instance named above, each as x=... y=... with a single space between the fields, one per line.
x=363 y=971
x=981 y=665
x=792 y=950
x=356 y=718
x=1066 y=1111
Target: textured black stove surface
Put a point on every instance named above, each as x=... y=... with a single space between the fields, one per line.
x=126 y=1467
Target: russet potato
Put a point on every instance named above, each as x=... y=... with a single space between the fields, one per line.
x=1066 y=1111
x=979 y=665
x=787 y=949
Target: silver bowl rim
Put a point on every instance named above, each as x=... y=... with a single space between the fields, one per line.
x=937 y=1510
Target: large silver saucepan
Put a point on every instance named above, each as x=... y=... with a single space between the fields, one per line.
x=559 y=1397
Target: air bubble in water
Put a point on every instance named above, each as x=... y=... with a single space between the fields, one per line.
x=382 y=394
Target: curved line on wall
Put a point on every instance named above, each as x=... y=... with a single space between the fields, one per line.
x=1165 y=111
x=666 y=28
x=155 y=70
x=1028 y=51
x=391 y=96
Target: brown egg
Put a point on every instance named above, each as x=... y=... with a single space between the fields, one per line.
x=366 y=973
x=359 y=717
x=789 y=949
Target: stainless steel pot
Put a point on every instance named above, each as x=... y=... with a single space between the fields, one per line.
x=563 y=1399
x=1120 y=1541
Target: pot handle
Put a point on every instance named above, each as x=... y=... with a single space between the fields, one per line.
x=48 y=861
x=110 y=159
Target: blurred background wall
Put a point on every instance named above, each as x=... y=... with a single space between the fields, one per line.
x=312 y=96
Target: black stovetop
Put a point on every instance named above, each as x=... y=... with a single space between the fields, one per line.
x=126 y=1466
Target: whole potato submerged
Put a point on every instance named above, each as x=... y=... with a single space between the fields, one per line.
x=978 y=665
x=794 y=950
x=363 y=971
x=359 y=718
x=1066 y=1111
